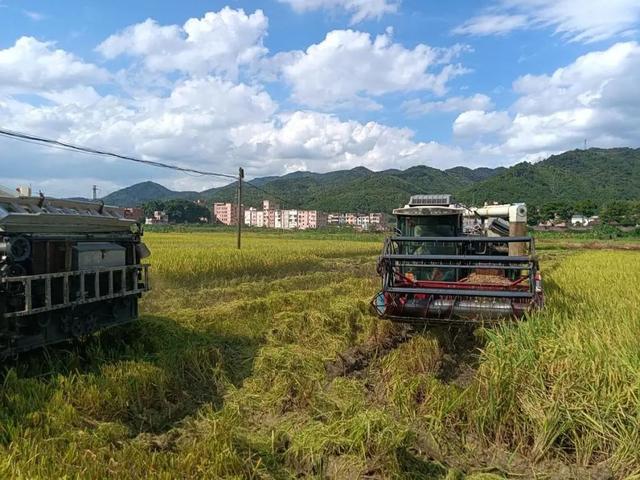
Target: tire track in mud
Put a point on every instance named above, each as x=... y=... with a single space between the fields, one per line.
x=461 y=354
x=355 y=361
x=460 y=348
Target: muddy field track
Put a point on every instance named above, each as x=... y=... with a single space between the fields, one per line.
x=460 y=347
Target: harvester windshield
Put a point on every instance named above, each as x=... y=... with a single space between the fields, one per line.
x=426 y=226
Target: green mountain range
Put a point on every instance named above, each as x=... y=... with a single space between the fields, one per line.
x=596 y=174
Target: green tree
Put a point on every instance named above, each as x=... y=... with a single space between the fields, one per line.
x=153 y=206
x=185 y=211
x=533 y=216
x=586 y=207
x=559 y=210
x=618 y=211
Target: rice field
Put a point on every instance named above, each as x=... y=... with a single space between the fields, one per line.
x=266 y=363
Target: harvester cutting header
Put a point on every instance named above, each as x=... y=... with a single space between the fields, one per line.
x=453 y=264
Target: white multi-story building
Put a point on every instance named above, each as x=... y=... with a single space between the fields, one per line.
x=376 y=218
x=273 y=217
x=290 y=219
x=278 y=219
x=251 y=216
x=334 y=218
x=361 y=221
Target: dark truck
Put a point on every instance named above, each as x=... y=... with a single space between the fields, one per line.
x=67 y=269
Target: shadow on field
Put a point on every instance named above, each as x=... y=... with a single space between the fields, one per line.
x=149 y=375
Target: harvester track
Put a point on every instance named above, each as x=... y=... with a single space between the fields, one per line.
x=460 y=347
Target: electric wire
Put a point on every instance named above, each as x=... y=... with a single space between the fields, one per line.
x=57 y=144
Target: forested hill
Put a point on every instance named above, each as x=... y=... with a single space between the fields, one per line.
x=144 y=192
x=599 y=175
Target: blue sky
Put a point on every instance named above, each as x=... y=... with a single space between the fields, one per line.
x=283 y=85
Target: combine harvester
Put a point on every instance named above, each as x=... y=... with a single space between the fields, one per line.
x=67 y=269
x=452 y=264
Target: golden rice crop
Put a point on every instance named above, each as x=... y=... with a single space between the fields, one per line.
x=226 y=376
x=205 y=257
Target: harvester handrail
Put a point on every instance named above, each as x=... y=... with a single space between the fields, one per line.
x=74 y=273
x=139 y=277
x=469 y=239
x=461 y=258
x=461 y=292
x=474 y=266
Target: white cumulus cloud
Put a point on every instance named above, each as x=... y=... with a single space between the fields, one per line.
x=348 y=68
x=210 y=124
x=32 y=65
x=219 y=42
x=593 y=98
x=479 y=122
x=322 y=142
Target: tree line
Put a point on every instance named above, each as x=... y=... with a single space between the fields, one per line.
x=621 y=212
x=179 y=211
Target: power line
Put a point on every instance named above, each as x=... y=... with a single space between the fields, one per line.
x=69 y=146
x=25 y=137
x=58 y=145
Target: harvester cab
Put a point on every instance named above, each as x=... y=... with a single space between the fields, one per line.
x=447 y=263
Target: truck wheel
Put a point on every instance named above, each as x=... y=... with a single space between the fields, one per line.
x=19 y=249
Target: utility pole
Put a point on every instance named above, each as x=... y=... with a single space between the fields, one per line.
x=240 y=220
x=95 y=192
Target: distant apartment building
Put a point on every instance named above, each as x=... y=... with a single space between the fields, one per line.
x=360 y=221
x=254 y=217
x=269 y=205
x=376 y=218
x=272 y=216
x=311 y=219
x=251 y=216
x=290 y=219
x=226 y=213
x=269 y=213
